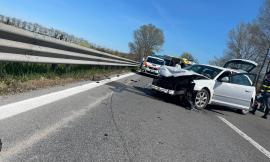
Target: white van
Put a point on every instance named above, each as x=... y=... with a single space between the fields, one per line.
x=151 y=65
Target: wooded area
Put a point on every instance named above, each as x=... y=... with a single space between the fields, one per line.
x=250 y=41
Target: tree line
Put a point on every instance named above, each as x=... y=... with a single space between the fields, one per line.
x=54 y=33
x=250 y=41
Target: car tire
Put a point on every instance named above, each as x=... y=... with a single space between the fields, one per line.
x=201 y=99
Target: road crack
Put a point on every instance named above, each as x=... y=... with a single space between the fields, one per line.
x=121 y=134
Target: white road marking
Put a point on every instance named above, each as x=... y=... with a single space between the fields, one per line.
x=16 y=108
x=246 y=137
x=6 y=154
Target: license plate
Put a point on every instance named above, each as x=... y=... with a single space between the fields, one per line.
x=163 y=90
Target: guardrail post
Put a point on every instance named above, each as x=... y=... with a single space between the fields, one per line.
x=67 y=67
x=54 y=67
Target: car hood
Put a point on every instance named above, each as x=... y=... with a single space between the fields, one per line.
x=167 y=71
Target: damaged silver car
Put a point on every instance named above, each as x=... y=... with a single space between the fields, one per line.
x=231 y=85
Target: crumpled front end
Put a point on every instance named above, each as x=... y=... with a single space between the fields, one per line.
x=175 y=81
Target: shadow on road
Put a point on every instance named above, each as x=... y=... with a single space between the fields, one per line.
x=146 y=75
x=138 y=90
x=146 y=91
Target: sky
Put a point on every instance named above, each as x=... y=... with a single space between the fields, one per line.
x=197 y=26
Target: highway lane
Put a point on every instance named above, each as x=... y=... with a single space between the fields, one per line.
x=125 y=121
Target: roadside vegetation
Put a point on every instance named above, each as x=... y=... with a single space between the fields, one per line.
x=250 y=40
x=21 y=77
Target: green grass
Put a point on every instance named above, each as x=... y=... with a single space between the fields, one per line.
x=15 y=76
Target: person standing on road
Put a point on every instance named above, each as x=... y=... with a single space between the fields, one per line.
x=265 y=89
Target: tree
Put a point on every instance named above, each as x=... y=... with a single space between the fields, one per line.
x=250 y=41
x=189 y=56
x=263 y=20
x=245 y=41
x=219 y=61
x=264 y=17
x=147 y=40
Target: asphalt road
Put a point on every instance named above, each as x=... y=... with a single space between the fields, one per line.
x=125 y=121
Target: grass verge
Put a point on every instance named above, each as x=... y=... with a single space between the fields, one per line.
x=21 y=77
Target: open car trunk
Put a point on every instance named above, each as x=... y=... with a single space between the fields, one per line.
x=241 y=64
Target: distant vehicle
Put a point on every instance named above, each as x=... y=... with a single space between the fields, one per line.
x=171 y=61
x=151 y=65
x=185 y=62
x=231 y=85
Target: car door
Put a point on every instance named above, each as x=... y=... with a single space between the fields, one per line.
x=236 y=93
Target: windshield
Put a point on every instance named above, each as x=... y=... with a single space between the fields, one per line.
x=208 y=71
x=155 y=61
x=167 y=62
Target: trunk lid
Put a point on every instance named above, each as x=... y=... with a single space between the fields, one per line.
x=241 y=64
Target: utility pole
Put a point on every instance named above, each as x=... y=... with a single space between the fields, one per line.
x=267 y=69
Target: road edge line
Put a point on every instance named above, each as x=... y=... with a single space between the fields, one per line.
x=19 y=107
x=41 y=134
x=246 y=137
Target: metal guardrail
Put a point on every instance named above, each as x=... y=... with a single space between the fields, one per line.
x=18 y=45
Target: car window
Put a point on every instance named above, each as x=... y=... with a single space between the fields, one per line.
x=155 y=61
x=167 y=62
x=225 y=74
x=207 y=71
x=241 y=79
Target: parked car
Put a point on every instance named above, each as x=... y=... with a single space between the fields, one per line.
x=171 y=61
x=231 y=85
x=151 y=65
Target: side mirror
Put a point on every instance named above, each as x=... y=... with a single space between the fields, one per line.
x=225 y=79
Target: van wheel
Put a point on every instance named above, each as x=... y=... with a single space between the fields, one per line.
x=201 y=99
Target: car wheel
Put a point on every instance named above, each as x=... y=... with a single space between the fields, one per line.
x=201 y=99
